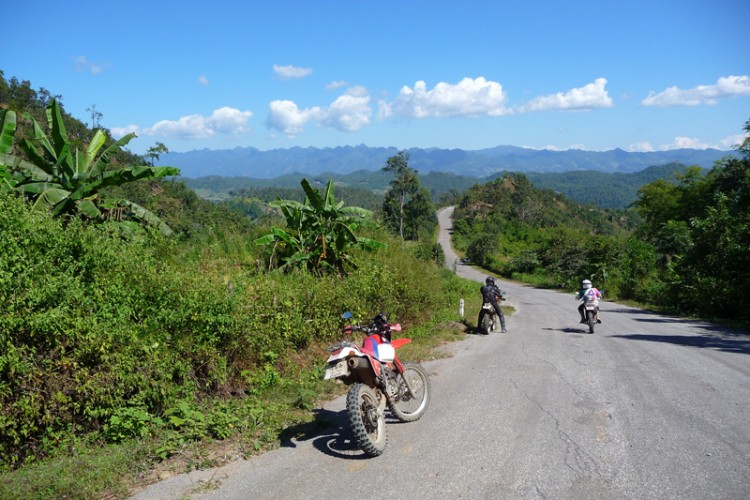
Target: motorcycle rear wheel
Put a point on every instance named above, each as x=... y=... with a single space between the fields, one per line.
x=591 y=320
x=486 y=325
x=367 y=422
x=404 y=406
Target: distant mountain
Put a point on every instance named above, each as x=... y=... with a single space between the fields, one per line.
x=252 y=162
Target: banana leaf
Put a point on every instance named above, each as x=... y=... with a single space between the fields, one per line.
x=150 y=218
x=7 y=130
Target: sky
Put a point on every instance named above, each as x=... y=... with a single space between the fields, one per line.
x=544 y=74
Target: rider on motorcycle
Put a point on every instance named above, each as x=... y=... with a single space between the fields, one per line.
x=587 y=292
x=491 y=294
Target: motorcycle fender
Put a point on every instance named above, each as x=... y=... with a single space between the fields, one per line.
x=399 y=343
x=341 y=354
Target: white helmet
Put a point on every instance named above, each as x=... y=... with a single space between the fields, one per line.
x=585 y=284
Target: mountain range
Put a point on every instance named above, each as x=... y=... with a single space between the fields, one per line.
x=252 y=162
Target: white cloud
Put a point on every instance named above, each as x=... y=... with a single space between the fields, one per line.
x=337 y=85
x=291 y=72
x=641 y=147
x=552 y=147
x=83 y=64
x=590 y=96
x=228 y=120
x=385 y=109
x=686 y=143
x=120 y=132
x=224 y=120
x=468 y=98
x=728 y=86
x=349 y=113
x=285 y=116
x=203 y=80
x=733 y=141
x=681 y=142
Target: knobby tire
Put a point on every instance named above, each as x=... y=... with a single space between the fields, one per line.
x=403 y=405
x=368 y=426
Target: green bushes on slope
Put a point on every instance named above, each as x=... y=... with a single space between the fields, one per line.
x=96 y=329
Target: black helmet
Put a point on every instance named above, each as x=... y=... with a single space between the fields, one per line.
x=381 y=323
x=490 y=280
x=381 y=320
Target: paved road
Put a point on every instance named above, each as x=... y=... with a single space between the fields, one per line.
x=649 y=407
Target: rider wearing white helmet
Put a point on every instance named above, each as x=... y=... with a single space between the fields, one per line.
x=587 y=292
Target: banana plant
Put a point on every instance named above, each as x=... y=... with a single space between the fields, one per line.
x=319 y=232
x=7 y=135
x=59 y=177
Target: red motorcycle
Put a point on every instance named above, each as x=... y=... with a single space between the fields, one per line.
x=377 y=379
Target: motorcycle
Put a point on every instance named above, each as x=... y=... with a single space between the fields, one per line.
x=490 y=319
x=591 y=309
x=377 y=379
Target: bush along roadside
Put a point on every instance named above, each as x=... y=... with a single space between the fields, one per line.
x=151 y=347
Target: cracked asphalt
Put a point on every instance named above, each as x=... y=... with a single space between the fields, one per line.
x=649 y=407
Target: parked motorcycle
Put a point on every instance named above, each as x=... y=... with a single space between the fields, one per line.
x=377 y=379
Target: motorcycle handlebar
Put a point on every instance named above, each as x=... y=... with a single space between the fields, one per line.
x=358 y=328
x=367 y=329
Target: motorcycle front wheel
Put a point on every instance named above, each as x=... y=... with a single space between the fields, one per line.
x=367 y=422
x=404 y=406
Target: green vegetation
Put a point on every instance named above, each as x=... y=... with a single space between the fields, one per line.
x=366 y=188
x=601 y=189
x=519 y=231
x=683 y=247
x=120 y=350
x=407 y=208
x=319 y=235
x=56 y=176
x=106 y=341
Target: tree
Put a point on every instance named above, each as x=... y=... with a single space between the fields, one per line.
x=319 y=233
x=744 y=148
x=405 y=182
x=407 y=207
x=419 y=215
x=96 y=117
x=702 y=223
x=54 y=175
x=154 y=152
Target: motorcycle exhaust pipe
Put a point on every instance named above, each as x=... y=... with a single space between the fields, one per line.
x=355 y=363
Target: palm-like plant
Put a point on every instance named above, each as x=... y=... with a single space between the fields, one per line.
x=319 y=233
x=67 y=181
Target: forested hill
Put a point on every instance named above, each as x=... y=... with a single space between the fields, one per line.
x=605 y=190
x=601 y=189
x=251 y=162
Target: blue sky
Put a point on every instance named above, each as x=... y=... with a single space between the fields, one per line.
x=594 y=75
